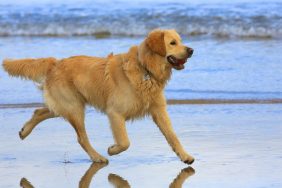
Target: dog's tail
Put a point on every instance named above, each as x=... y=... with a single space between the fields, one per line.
x=33 y=69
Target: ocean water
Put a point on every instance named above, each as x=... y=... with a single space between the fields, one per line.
x=237 y=45
x=258 y=20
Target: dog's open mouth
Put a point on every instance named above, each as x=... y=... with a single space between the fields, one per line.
x=177 y=64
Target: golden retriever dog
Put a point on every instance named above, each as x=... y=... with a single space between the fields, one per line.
x=123 y=86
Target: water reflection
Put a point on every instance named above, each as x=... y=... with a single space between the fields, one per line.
x=87 y=177
x=116 y=180
x=181 y=177
x=25 y=183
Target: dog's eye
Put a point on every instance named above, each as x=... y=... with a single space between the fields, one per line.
x=172 y=43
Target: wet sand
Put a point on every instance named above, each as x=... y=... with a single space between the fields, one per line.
x=173 y=102
x=236 y=145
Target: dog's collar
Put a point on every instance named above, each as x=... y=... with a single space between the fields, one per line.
x=146 y=75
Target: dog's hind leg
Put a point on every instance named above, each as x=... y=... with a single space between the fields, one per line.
x=119 y=133
x=66 y=101
x=77 y=121
x=39 y=115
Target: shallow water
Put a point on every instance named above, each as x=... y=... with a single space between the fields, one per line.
x=219 y=69
x=234 y=146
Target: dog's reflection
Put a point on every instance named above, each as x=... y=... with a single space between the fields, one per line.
x=87 y=177
x=116 y=180
x=181 y=177
x=25 y=183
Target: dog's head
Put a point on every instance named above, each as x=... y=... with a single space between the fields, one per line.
x=168 y=44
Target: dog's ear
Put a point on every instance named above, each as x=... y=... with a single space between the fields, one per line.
x=155 y=41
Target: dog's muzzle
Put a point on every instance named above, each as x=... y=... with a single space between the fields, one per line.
x=178 y=64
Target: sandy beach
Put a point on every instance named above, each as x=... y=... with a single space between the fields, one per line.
x=236 y=145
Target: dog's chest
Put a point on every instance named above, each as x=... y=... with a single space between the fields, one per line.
x=137 y=108
x=139 y=104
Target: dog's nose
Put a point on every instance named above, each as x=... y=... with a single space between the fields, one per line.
x=189 y=51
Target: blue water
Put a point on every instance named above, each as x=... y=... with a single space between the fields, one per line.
x=256 y=19
x=237 y=45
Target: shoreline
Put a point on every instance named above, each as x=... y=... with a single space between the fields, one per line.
x=173 y=102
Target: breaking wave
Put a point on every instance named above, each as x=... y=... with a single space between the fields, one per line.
x=227 y=20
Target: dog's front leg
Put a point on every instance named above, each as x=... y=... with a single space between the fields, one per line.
x=119 y=132
x=161 y=118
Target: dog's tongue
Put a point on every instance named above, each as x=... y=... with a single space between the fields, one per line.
x=181 y=61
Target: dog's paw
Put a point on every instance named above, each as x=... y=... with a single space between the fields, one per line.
x=186 y=158
x=116 y=149
x=189 y=161
x=113 y=150
x=22 y=134
x=99 y=159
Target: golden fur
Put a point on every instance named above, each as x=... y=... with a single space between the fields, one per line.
x=124 y=86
